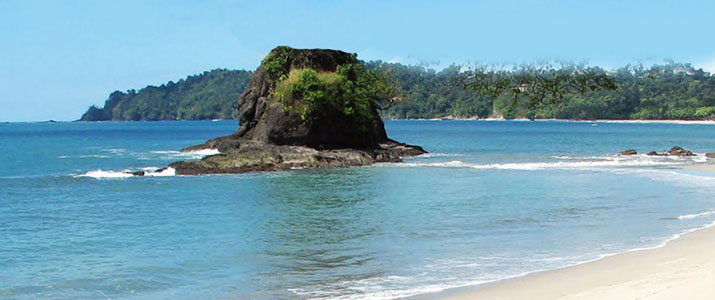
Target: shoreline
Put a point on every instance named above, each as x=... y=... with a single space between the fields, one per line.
x=628 y=121
x=683 y=267
x=447 y=118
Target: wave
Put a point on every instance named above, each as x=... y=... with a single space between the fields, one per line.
x=99 y=174
x=162 y=173
x=84 y=156
x=532 y=166
x=699 y=157
x=373 y=288
x=197 y=154
x=438 y=154
x=693 y=216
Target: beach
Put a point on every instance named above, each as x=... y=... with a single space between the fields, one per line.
x=682 y=269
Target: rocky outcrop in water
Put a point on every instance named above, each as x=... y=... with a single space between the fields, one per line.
x=301 y=132
x=675 y=151
x=628 y=152
x=678 y=151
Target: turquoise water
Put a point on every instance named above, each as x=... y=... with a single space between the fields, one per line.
x=492 y=200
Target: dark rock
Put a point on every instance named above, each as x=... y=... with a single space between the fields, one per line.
x=653 y=153
x=628 y=152
x=264 y=120
x=254 y=156
x=136 y=173
x=272 y=138
x=710 y=155
x=677 y=151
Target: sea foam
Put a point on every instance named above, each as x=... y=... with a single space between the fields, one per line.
x=693 y=216
x=99 y=174
x=570 y=162
x=533 y=166
x=197 y=154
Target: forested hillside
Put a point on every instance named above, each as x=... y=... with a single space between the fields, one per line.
x=210 y=95
x=668 y=91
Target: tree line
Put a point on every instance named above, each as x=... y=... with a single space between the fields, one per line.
x=664 y=91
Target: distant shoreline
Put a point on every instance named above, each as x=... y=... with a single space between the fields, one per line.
x=449 y=118
x=673 y=121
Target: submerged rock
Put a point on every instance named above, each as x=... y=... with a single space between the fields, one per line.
x=292 y=132
x=653 y=153
x=135 y=173
x=628 y=152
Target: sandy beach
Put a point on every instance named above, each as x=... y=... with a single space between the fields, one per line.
x=682 y=269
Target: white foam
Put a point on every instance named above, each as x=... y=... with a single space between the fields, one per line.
x=99 y=174
x=197 y=154
x=438 y=154
x=163 y=173
x=545 y=165
x=693 y=216
x=698 y=157
x=114 y=150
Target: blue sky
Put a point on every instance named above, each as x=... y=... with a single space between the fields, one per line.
x=59 y=57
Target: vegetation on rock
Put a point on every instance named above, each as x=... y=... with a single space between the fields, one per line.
x=350 y=92
x=276 y=63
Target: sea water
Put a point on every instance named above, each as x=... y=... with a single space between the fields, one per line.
x=491 y=200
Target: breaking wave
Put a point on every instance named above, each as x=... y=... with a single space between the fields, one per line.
x=99 y=174
x=541 y=165
x=693 y=216
x=198 y=154
x=569 y=162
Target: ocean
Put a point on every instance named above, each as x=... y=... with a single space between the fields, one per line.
x=492 y=200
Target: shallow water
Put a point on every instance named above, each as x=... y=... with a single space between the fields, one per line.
x=490 y=201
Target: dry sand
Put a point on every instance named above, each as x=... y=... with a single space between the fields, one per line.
x=682 y=269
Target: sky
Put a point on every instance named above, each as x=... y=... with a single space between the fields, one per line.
x=59 y=57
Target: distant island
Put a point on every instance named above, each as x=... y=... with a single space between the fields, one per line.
x=661 y=92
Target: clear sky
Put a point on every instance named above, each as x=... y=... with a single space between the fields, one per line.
x=59 y=57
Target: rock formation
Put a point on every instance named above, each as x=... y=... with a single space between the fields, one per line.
x=628 y=152
x=302 y=127
x=675 y=151
x=678 y=151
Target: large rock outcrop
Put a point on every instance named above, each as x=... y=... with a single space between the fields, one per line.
x=273 y=137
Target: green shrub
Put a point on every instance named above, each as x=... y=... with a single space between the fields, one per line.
x=276 y=63
x=349 y=92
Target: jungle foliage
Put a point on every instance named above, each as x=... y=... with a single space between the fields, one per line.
x=666 y=91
